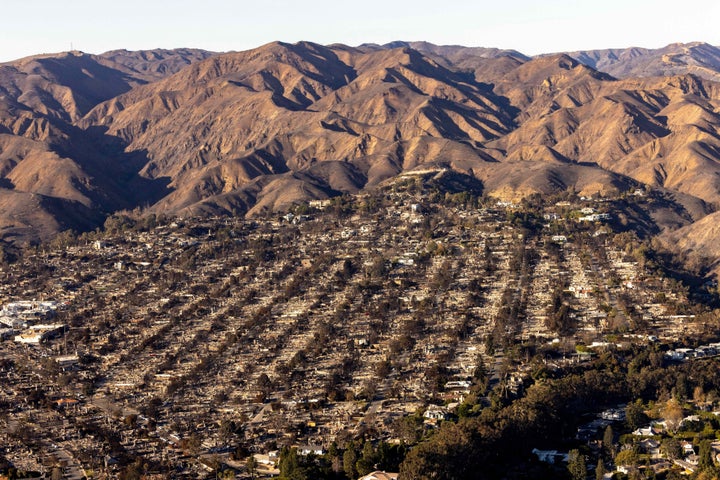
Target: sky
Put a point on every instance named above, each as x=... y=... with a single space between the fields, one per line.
x=30 y=27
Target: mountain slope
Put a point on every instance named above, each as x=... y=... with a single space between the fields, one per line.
x=284 y=108
x=696 y=58
x=55 y=176
x=194 y=133
x=372 y=113
x=658 y=131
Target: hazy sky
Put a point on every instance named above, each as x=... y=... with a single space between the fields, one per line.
x=42 y=26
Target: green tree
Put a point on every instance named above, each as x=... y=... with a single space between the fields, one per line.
x=635 y=416
x=670 y=447
x=350 y=461
x=576 y=465
x=389 y=456
x=480 y=376
x=290 y=467
x=609 y=442
x=705 y=454
x=457 y=450
x=368 y=459
x=600 y=470
x=681 y=387
x=408 y=429
x=627 y=457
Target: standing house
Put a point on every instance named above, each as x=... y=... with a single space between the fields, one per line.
x=311 y=449
x=377 y=475
x=435 y=412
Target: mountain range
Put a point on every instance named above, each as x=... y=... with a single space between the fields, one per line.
x=190 y=132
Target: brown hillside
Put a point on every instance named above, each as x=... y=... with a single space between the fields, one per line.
x=194 y=133
x=696 y=58
x=67 y=177
x=284 y=108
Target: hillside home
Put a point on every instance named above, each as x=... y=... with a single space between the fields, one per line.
x=311 y=449
x=380 y=476
x=435 y=412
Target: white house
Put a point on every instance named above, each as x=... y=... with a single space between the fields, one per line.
x=380 y=476
x=308 y=449
x=435 y=412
